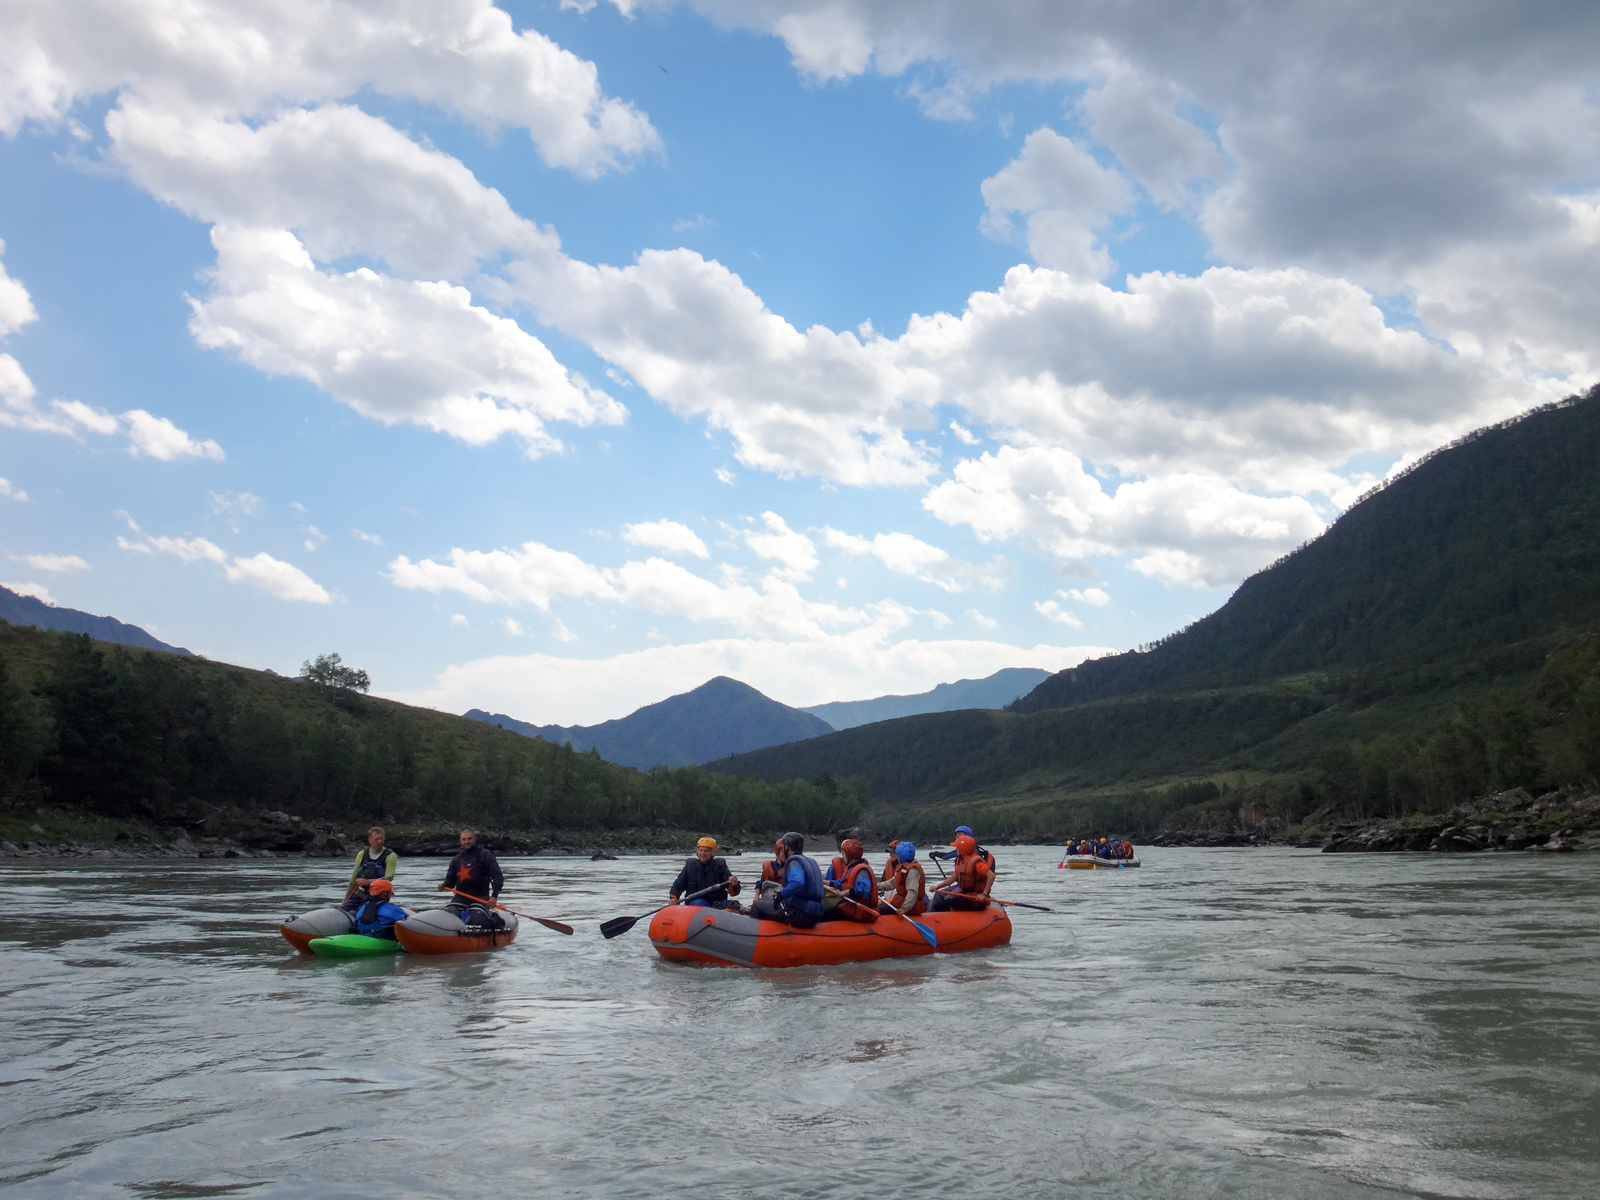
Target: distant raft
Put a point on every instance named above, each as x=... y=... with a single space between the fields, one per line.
x=301 y=931
x=440 y=931
x=689 y=933
x=353 y=945
x=1089 y=862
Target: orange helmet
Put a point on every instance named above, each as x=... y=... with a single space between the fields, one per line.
x=851 y=848
x=380 y=887
x=965 y=845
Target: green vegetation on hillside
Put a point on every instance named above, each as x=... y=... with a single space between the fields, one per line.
x=1438 y=642
x=164 y=740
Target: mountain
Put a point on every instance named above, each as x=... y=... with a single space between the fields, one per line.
x=25 y=610
x=1440 y=640
x=100 y=741
x=718 y=718
x=993 y=691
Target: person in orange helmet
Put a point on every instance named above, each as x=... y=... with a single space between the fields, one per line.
x=856 y=887
x=967 y=889
x=377 y=916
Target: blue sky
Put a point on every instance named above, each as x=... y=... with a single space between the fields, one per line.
x=557 y=363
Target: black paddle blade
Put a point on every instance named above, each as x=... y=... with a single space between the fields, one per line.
x=617 y=925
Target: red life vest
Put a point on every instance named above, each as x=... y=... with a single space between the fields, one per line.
x=771 y=871
x=867 y=911
x=902 y=870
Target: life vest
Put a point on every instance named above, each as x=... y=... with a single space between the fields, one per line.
x=866 y=911
x=808 y=899
x=370 y=923
x=372 y=868
x=836 y=869
x=970 y=874
x=772 y=871
x=902 y=872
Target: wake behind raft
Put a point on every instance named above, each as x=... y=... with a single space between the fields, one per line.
x=689 y=933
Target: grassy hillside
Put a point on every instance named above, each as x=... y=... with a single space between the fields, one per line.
x=1439 y=641
x=120 y=732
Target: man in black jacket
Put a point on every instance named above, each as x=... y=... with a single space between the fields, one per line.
x=706 y=870
x=474 y=871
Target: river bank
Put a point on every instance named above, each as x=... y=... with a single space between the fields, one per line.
x=233 y=834
x=1514 y=820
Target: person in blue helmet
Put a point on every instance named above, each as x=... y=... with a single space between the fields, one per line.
x=377 y=916
x=910 y=895
x=799 y=900
x=964 y=831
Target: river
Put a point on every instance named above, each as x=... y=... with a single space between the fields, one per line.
x=1239 y=1023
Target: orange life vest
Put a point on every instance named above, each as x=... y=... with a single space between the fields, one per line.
x=867 y=911
x=971 y=874
x=902 y=870
x=771 y=871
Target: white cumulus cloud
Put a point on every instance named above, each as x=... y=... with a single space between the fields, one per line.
x=9 y=489
x=276 y=578
x=393 y=350
x=1063 y=196
x=666 y=535
x=271 y=575
x=908 y=555
x=53 y=562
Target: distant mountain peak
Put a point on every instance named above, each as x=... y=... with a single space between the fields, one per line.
x=992 y=691
x=28 y=610
x=693 y=727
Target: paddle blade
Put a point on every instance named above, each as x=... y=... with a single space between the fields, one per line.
x=618 y=925
x=928 y=935
x=556 y=925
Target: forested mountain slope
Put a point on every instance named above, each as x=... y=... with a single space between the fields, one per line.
x=1437 y=641
x=1480 y=546
x=992 y=691
x=720 y=717
x=170 y=741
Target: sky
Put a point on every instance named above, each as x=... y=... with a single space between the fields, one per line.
x=555 y=358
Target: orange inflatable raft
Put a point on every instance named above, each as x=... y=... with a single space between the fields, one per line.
x=688 y=933
x=440 y=931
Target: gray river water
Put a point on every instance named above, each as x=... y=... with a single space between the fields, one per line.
x=1233 y=1023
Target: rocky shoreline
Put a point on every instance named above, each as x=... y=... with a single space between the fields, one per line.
x=1513 y=821
x=234 y=834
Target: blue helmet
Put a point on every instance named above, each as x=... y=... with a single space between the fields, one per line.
x=905 y=852
x=966 y=829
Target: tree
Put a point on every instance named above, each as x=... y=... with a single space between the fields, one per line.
x=329 y=672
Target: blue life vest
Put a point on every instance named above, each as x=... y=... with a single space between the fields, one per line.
x=807 y=898
x=373 y=921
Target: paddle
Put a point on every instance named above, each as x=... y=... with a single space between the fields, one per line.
x=545 y=921
x=928 y=935
x=620 y=925
x=934 y=855
x=1020 y=904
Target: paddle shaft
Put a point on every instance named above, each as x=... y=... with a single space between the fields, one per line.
x=923 y=931
x=617 y=928
x=558 y=926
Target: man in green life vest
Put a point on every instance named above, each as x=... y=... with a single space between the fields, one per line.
x=376 y=861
